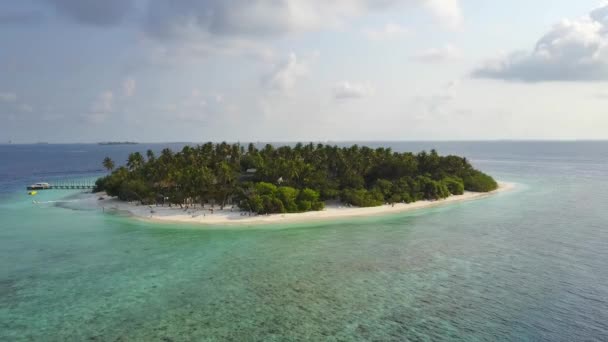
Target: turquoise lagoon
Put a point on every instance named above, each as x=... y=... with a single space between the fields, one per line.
x=525 y=265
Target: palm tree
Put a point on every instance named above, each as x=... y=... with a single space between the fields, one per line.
x=150 y=155
x=135 y=161
x=108 y=164
x=225 y=181
x=251 y=148
x=166 y=153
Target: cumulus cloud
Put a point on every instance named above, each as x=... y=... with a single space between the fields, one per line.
x=348 y=90
x=169 y=18
x=8 y=97
x=439 y=55
x=187 y=30
x=573 y=50
x=388 y=31
x=448 y=11
x=284 y=75
x=264 y=18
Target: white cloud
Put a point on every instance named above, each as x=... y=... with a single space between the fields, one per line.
x=573 y=50
x=188 y=30
x=439 y=55
x=348 y=90
x=168 y=19
x=266 y=18
x=128 y=86
x=8 y=97
x=448 y=11
x=284 y=76
x=388 y=31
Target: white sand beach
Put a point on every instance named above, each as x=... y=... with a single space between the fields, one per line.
x=234 y=216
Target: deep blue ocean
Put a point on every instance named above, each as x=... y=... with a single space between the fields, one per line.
x=525 y=265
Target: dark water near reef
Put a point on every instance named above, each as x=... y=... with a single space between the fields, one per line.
x=527 y=265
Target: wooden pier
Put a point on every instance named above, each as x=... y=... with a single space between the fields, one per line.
x=68 y=187
x=64 y=185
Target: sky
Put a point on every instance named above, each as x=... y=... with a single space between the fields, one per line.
x=302 y=70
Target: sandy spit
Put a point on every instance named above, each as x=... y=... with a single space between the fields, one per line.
x=233 y=216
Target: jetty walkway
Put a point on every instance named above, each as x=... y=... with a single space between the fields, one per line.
x=64 y=185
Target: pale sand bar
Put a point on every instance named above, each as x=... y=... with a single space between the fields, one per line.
x=234 y=217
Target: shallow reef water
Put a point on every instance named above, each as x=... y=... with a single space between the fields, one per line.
x=524 y=265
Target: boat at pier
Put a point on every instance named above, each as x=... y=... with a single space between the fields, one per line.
x=39 y=186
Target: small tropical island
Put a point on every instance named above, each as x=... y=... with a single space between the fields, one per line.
x=117 y=143
x=299 y=179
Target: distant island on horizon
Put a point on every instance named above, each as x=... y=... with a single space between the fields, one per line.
x=118 y=143
x=289 y=179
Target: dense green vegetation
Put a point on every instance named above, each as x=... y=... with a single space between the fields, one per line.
x=289 y=179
